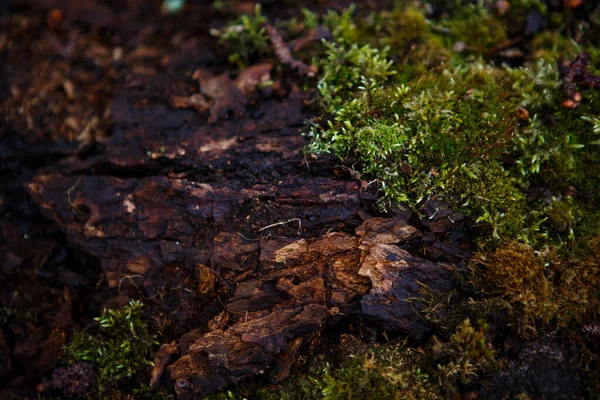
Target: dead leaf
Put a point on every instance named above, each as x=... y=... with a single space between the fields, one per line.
x=196 y=101
x=206 y=279
x=224 y=93
x=140 y=265
x=250 y=78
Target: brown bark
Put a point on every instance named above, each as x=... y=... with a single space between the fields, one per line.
x=243 y=251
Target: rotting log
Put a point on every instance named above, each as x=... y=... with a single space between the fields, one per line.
x=244 y=251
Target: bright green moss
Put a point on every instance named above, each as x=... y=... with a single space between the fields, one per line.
x=454 y=133
x=343 y=26
x=246 y=38
x=123 y=347
x=348 y=69
x=443 y=137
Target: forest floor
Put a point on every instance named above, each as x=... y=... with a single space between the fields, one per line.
x=227 y=185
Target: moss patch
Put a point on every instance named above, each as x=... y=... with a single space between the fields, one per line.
x=123 y=348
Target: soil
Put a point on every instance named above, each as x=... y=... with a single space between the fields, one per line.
x=136 y=164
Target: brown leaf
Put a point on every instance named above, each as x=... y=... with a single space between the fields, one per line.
x=250 y=78
x=163 y=357
x=196 y=101
x=206 y=279
x=224 y=93
x=140 y=265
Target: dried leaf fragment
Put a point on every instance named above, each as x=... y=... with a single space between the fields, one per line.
x=196 y=101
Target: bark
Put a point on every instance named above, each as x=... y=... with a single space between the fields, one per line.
x=244 y=250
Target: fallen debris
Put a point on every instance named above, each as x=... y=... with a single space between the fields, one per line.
x=284 y=55
x=576 y=73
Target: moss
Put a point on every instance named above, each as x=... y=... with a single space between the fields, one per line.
x=246 y=38
x=343 y=26
x=454 y=132
x=540 y=288
x=476 y=27
x=551 y=46
x=516 y=274
x=123 y=347
x=463 y=357
x=448 y=132
x=399 y=29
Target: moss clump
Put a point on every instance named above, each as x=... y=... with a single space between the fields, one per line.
x=518 y=276
x=445 y=136
x=400 y=30
x=360 y=370
x=463 y=358
x=246 y=38
x=343 y=26
x=123 y=347
x=347 y=70
x=475 y=135
x=551 y=46
x=476 y=27
x=539 y=289
x=380 y=371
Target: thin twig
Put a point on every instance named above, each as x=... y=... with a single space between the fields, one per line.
x=232 y=312
x=71 y=190
x=283 y=223
x=283 y=53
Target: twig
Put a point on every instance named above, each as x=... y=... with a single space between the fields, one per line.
x=70 y=191
x=283 y=223
x=130 y=280
x=574 y=72
x=284 y=54
x=232 y=312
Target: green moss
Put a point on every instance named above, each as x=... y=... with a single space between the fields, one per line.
x=395 y=371
x=399 y=29
x=443 y=137
x=246 y=38
x=551 y=47
x=453 y=132
x=476 y=27
x=540 y=289
x=463 y=357
x=123 y=348
x=348 y=69
x=342 y=26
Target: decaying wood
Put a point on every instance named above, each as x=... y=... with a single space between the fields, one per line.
x=175 y=208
